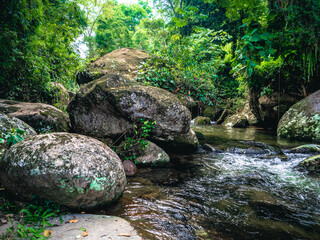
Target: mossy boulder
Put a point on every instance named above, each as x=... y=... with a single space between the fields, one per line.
x=101 y=111
x=70 y=169
x=311 y=164
x=42 y=117
x=125 y=61
x=153 y=156
x=302 y=120
x=199 y=121
x=7 y=123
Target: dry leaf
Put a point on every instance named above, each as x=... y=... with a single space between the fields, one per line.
x=73 y=221
x=47 y=233
x=124 y=235
x=84 y=234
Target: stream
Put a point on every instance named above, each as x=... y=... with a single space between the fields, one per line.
x=232 y=193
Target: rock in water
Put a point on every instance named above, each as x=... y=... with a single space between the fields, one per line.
x=42 y=117
x=302 y=120
x=101 y=111
x=129 y=167
x=236 y=121
x=311 y=164
x=69 y=169
x=7 y=123
x=153 y=156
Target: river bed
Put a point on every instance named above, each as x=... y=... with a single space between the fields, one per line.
x=227 y=194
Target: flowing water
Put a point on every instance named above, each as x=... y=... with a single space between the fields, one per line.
x=233 y=193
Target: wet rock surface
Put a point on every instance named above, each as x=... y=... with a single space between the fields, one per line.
x=69 y=169
x=311 y=164
x=302 y=120
x=42 y=117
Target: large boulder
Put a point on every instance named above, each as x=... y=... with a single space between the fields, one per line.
x=42 y=117
x=302 y=120
x=69 y=169
x=7 y=123
x=125 y=61
x=101 y=111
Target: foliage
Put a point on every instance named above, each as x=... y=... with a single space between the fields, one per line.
x=32 y=218
x=195 y=66
x=36 y=46
x=115 y=28
x=6 y=141
x=135 y=142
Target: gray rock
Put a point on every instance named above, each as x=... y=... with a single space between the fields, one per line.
x=302 y=120
x=69 y=169
x=129 y=167
x=101 y=111
x=7 y=123
x=236 y=121
x=40 y=116
x=153 y=156
x=182 y=143
x=97 y=227
x=125 y=61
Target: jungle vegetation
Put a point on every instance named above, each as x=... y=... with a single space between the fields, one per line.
x=211 y=50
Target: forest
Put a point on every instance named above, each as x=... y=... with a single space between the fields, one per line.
x=113 y=86
x=216 y=50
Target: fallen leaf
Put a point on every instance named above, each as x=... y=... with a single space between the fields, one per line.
x=73 y=221
x=4 y=221
x=124 y=235
x=47 y=233
x=84 y=234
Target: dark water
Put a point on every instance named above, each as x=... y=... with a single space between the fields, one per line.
x=228 y=195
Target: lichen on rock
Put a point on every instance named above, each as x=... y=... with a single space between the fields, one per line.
x=69 y=169
x=302 y=120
